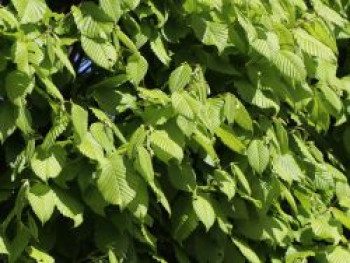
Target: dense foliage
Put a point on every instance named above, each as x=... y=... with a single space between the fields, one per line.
x=175 y=131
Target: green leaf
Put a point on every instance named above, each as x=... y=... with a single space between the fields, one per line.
x=30 y=11
x=42 y=200
x=48 y=164
x=221 y=65
x=91 y=21
x=52 y=89
x=8 y=17
x=79 y=120
x=112 y=257
x=230 y=108
x=129 y=4
x=341 y=217
x=165 y=148
x=8 y=117
x=19 y=243
x=101 y=52
x=113 y=182
x=294 y=254
x=338 y=255
x=187 y=127
x=136 y=139
x=123 y=38
x=161 y=196
x=328 y=14
x=247 y=25
x=35 y=53
x=258 y=155
x=182 y=176
x=319 y=113
x=139 y=205
x=226 y=183
x=69 y=206
x=18 y=85
x=206 y=144
x=111 y=8
x=241 y=178
x=290 y=66
x=103 y=136
x=211 y=33
x=64 y=59
x=323 y=230
x=331 y=98
x=321 y=31
x=156 y=115
x=111 y=82
x=235 y=111
x=256 y=96
x=158 y=48
x=282 y=136
x=289 y=198
x=103 y=117
x=21 y=56
x=182 y=104
x=154 y=96
x=3 y=246
x=110 y=174
x=312 y=46
x=40 y=255
x=262 y=47
x=180 y=77
x=136 y=68
x=184 y=220
x=143 y=164
x=24 y=120
x=204 y=210
x=287 y=168
x=91 y=148
x=247 y=252
x=211 y=114
x=228 y=137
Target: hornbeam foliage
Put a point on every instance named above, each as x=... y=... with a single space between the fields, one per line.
x=175 y=131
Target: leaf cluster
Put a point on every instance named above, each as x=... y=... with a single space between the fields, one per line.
x=175 y=131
